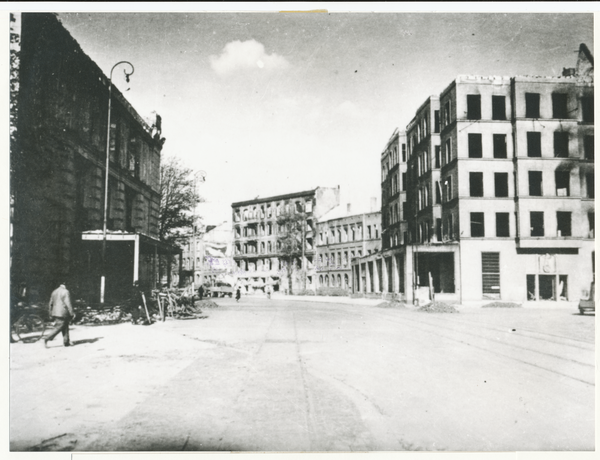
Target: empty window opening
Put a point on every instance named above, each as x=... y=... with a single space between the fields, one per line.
x=536 y=221
x=591 y=224
x=440 y=265
x=561 y=144
x=590 y=184
x=532 y=105
x=475 y=148
x=587 y=109
x=436 y=121
x=498 y=108
x=477 y=224
x=547 y=287
x=562 y=180
x=559 y=105
x=501 y=184
x=500 y=150
x=437 y=156
x=588 y=147
x=502 y=224
x=535 y=183
x=563 y=223
x=473 y=106
x=534 y=144
x=476 y=184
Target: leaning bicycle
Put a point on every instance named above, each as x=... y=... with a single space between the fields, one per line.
x=30 y=324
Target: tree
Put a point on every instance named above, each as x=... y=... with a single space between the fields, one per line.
x=290 y=240
x=178 y=198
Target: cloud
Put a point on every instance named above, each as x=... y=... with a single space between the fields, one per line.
x=249 y=55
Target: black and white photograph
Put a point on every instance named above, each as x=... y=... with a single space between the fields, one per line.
x=301 y=230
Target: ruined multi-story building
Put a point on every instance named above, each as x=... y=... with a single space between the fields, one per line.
x=255 y=238
x=207 y=256
x=58 y=158
x=342 y=236
x=500 y=194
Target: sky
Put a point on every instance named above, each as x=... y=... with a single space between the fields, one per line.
x=273 y=103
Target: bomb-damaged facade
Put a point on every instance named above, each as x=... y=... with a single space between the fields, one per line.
x=500 y=194
x=256 y=250
x=58 y=160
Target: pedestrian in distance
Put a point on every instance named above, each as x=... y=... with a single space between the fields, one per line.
x=201 y=292
x=62 y=312
x=268 y=292
x=135 y=302
x=238 y=294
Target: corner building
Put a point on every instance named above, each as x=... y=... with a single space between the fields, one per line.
x=500 y=193
x=255 y=230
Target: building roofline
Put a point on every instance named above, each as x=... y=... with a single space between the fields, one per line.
x=275 y=198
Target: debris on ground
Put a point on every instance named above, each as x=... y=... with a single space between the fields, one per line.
x=106 y=315
x=438 y=307
x=206 y=304
x=391 y=304
x=502 y=305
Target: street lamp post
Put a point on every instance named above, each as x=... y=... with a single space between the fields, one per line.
x=107 y=169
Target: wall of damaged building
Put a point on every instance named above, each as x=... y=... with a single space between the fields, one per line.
x=57 y=171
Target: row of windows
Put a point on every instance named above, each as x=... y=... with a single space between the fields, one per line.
x=391 y=160
x=262 y=212
x=334 y=281
x=560 y=108
x=337 y=260
x=345 y=234
x=536 y=220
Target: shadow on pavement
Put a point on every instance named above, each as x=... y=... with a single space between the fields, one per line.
x=81 y=342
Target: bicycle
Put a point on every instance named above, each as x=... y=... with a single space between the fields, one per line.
x=30 y=325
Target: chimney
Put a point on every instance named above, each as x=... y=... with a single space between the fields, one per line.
x=348 y=208
x=373 y=203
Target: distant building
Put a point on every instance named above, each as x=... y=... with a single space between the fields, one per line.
x=342 y=236
x=255 y=231
x=208 y=257
x=58 y=172
x=499 y=194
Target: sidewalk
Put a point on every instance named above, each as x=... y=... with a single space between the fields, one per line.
x=329 y=299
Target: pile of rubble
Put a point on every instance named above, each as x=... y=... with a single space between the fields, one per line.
x=100 y=316
x=502 y=305
x=438 y=307
x=205 y=304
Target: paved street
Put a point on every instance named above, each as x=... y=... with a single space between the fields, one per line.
x=285 y=375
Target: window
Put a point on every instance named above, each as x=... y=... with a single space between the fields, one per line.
x=588 y=147
x=561 y=144
x=475 y=149
x=368 y=231
x=436 y=121
x=502 y=225
x=591 y=223
x=535 y=183
x=476 y=184
x=589 y=184
x=587 y=109
x=499 y=145
x=477 y=225
x=473 y=106
x=532 y=105
x=448 y=188
x=534 y=144
x=403 y=153
x=447 y=113
x=403 y=181
x=559 y=105
x=562 y=180
x=450 y=226
x=498 y=108
x=536 y=223
x=448 y=151
x=438 y=229
x=501 y=184
x=563 y=223
x=490 y=272
x=437 y=156
x=438 y=193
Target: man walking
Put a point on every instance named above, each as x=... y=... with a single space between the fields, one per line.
x=201 y=292
x=135 y=303
x=62 y=312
